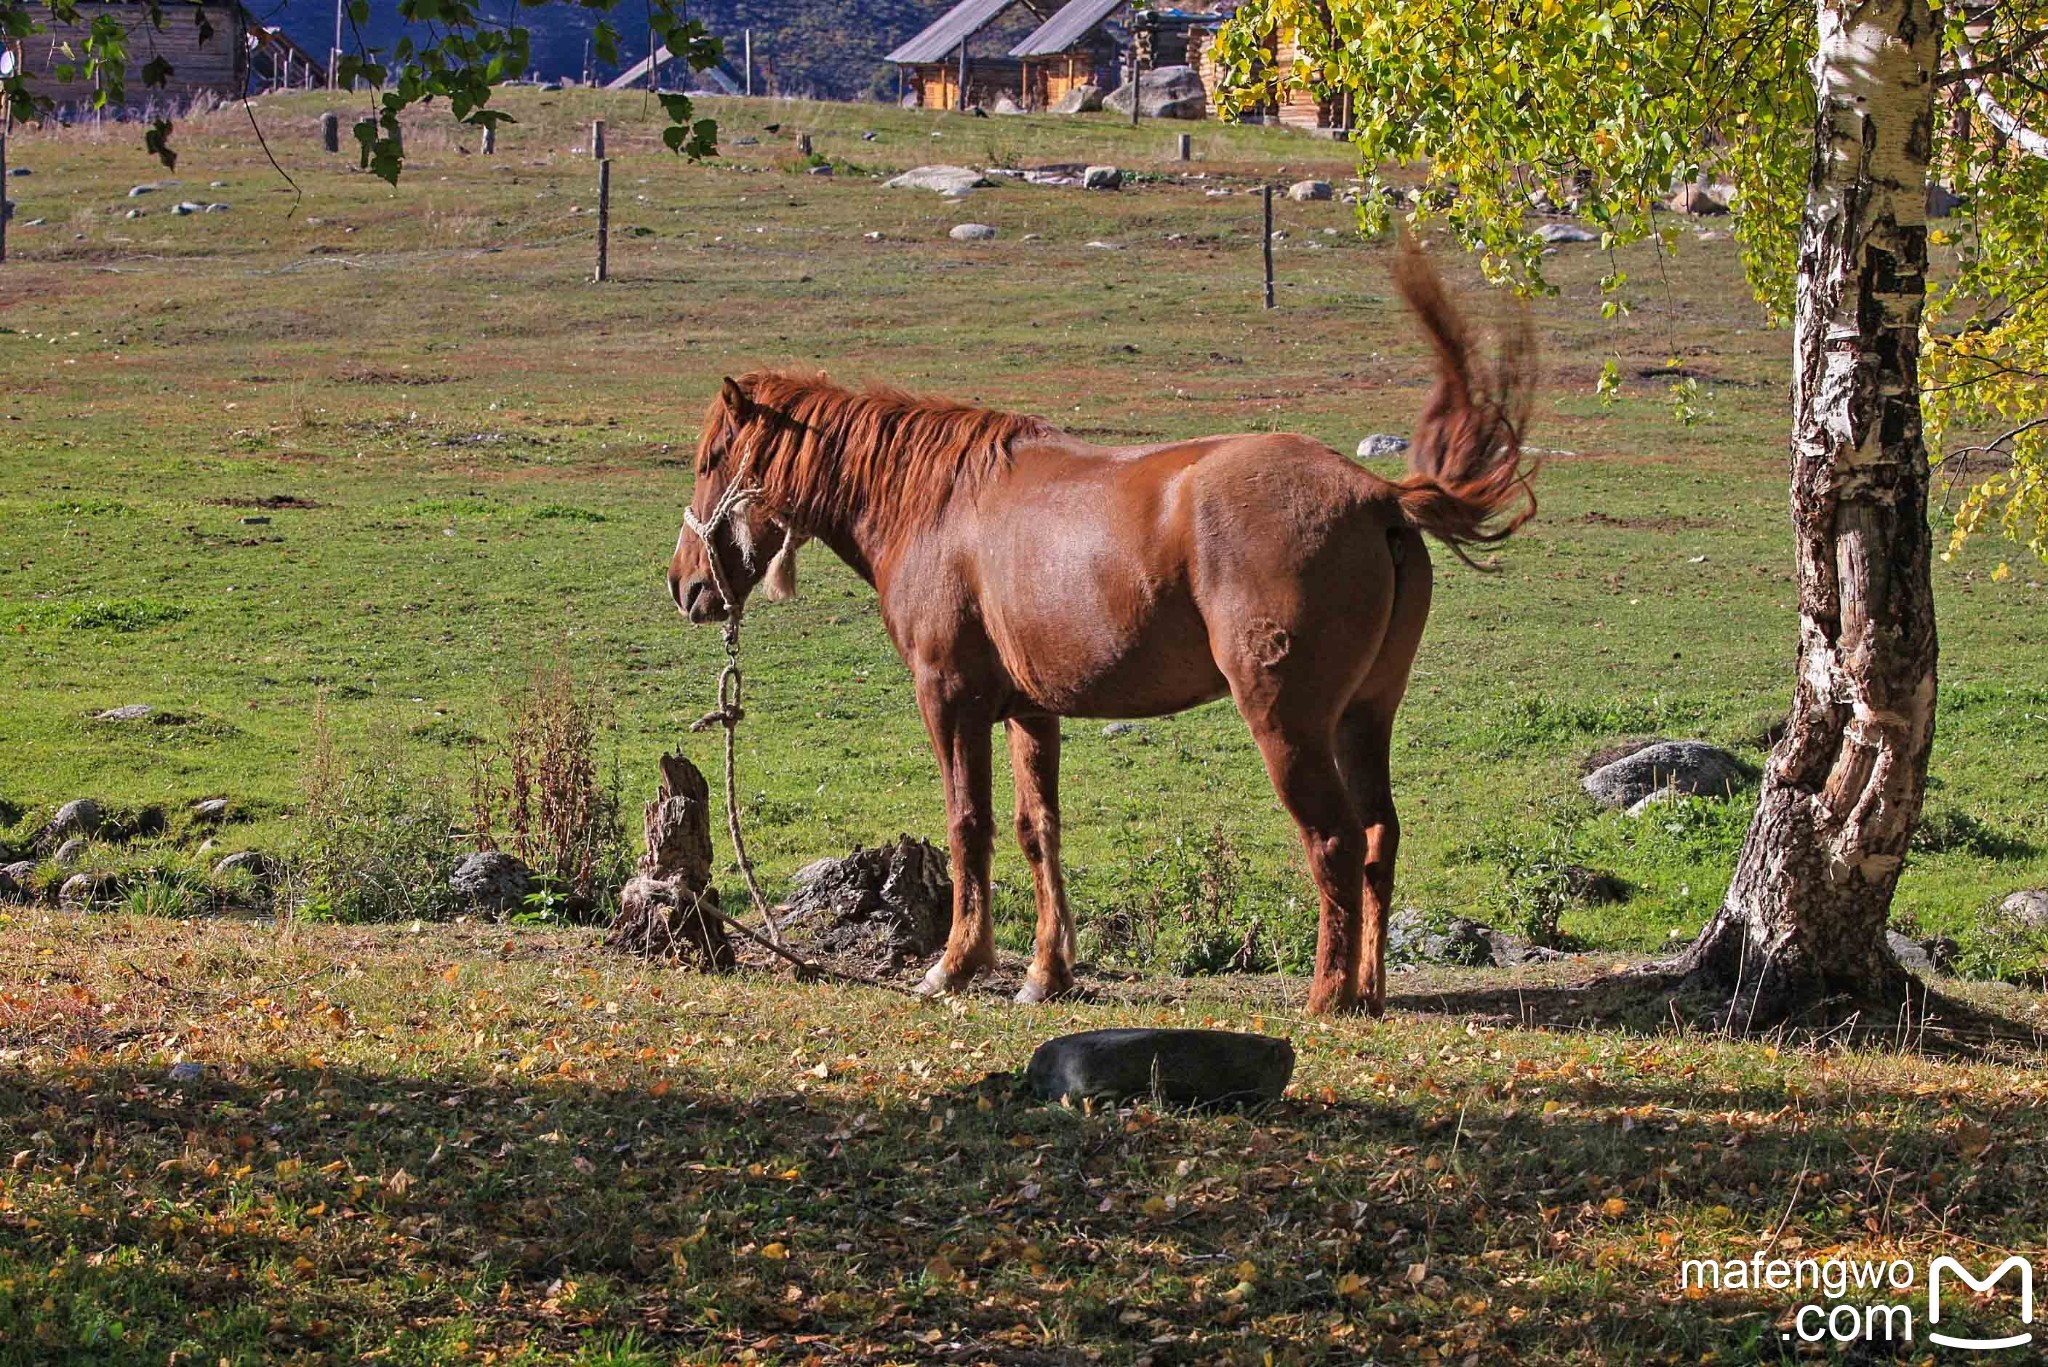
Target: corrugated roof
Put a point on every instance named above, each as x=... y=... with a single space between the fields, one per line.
x=949 y=30
x=1066 y=28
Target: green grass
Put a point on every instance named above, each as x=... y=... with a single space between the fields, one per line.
x=470 y=458
x=460 y=1145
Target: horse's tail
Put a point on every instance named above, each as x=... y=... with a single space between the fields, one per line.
x=1468 y=482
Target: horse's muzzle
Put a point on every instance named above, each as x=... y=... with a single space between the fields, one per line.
x=701 y=603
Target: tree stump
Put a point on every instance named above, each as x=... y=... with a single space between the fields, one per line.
x=666 y=911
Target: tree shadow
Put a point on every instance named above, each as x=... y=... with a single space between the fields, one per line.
x=353 y=1213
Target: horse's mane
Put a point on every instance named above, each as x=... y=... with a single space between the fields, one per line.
x=825 y=455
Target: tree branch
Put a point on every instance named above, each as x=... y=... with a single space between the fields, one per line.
x=2019 y=134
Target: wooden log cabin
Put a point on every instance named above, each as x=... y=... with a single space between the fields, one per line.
x=963 y=59
x=1312 y=110
x=205 y=43
x=1085 y=43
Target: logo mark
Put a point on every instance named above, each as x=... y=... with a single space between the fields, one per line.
x=1983 y=1287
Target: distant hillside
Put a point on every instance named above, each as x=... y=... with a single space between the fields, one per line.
x=827 y=49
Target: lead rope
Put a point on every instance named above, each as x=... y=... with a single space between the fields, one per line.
x=728 y=715
x=729 y=712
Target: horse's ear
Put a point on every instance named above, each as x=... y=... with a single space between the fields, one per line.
x=736 y=401
x=779 y=583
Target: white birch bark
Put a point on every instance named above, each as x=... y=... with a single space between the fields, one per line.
x=1803 y=922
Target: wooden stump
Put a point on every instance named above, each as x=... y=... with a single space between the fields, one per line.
x=664 y=911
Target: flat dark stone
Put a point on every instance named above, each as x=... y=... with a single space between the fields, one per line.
x=1180 y=1067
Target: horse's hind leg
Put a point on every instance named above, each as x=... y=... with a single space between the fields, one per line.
x=1303 y=767
x=1035 y=761
x=1363 y=740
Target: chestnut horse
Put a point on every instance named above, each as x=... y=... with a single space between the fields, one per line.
x=1026 y=575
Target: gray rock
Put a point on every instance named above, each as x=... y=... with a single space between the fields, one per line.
x=19 y=171
x=1414 y=937
x=216 y=185
x=1105 y=246
x=134 y=711
x=73 y=850
x=1005 y=105
x=218 y=208
x=17 y=881
x=211 y=809
x=1565 y=232
x=1302 y=191
x=1102 y=178
x=1220 y=192
x=746 y=140
x=867 y=136
x=81 y=890
x=187 y=207
x=35 y=223
x=1689 y=768
x=823 y=168
x=940 y=178
x=492 y=880
x=972 y=232
x=1380 y=445
x=80 y=816
x=148 y=188
x=1080 y=99
x=1123 y=728
x=1922 y=957
x=133 y=213
x=2025 y=910
x=1178 y=1067
x=888 y=906
x=252 y=862
x=1167 y=92
x=1663 y=797
x=187 y=1072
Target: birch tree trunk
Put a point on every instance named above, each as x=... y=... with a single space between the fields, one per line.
x=1801 y=932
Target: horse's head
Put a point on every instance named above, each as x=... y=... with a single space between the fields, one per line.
x=727 y=548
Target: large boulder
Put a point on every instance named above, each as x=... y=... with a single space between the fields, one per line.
x=1697 y=200
x=17 y=881
x=492 y=881
x=1081 y=99
x=1102 y=178
x=1178 y=1067
x=973 y=232
x=1687 y=768
x=2025 y=910
x=81 y=816
x=940 y=178
x=1555 y=233
x=1167 y=92
x=1303 y=191
x=889 y=906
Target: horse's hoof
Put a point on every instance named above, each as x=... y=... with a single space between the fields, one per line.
x=1033 y=992
x=938 y=981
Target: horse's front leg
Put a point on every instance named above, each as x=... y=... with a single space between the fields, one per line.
x=960 y=736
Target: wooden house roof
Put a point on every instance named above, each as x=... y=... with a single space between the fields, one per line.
x=943 y=38
x=1074 y=22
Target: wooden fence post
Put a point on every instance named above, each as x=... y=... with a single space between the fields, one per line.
x=330 y=131
x=803 y=144
x=604 y=219
x=597 y=140
x=490 y=140
x=4 y=215
x=1186 y=146
x=1267 y=244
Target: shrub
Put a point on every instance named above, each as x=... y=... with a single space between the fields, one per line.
x=543 y=795
x=379 y=834
x=1192 y=901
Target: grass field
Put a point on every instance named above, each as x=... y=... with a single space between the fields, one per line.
x=486 y=456
x=453 y=1146
x=379 y=454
